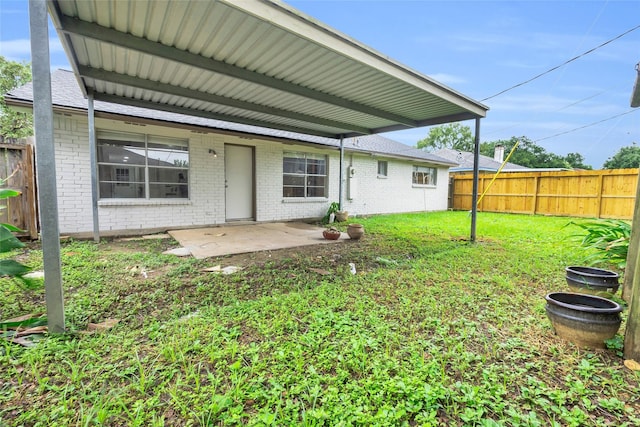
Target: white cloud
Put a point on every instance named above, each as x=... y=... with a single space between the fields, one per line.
x=20 y=49
x=15 y=48
x=548 y=104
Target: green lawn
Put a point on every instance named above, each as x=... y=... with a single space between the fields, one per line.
x=432 y=330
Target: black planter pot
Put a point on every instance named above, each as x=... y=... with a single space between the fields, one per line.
x=585 y=320
x=593 y=281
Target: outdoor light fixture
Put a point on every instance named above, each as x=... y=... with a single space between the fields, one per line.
x=211 y=151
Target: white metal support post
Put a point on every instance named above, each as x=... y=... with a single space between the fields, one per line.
x=45 y=164
x=94 y=168
x=476 y=173
x=341 y=177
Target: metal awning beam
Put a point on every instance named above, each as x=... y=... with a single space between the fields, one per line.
x=126 y=80
x=108 y=35
x=436 y=121
x=114 y=99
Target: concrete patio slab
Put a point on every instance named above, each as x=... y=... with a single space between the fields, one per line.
x=236 y=239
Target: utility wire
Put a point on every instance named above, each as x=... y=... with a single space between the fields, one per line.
x=562 y=65
x=586 y=126
x=559 y=109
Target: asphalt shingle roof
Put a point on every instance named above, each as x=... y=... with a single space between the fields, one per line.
x=464 y=160
x=67 y=94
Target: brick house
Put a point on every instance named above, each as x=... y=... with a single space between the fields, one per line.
x=159 y=170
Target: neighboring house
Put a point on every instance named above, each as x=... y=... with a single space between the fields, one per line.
x=486 y=164
x=160 y=170
x=464 y=161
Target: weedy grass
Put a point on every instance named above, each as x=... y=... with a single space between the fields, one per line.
x=432 y=330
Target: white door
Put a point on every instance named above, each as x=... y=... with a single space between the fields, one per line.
x=238 y=166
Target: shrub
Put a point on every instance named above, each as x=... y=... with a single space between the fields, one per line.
x=610 y=239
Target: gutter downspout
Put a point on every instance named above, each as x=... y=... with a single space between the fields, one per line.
x=94 y=168
x=476 y=173
x=340 y=188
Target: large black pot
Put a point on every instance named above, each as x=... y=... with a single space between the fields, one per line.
x=585 y=320
x=593 y=281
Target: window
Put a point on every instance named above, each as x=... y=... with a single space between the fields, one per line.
x=122 y=176
x=142 y=166
x=382 y=168
x=423 y=175
x=304 y=175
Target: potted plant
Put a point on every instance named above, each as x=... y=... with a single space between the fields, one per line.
x=342 y=216
x=331 y=212
x=355 y=231
x=331 y=233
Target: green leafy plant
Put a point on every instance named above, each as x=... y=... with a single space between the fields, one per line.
x=333 y=208
x=616 y=344
x=9 y=242
x=610 y=239
x=15 y=270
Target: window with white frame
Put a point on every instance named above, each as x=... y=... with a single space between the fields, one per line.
x=382 y=168
x=304 y=175
x=424 y=175
x=139 y=166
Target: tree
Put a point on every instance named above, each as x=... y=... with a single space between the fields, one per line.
x=532 y=155
x=625 y=158
x=13 y=124
x=451 y=135
x=576 y=161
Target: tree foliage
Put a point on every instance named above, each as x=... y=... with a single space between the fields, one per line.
x=576 y=161
x=625 y=158
x=451 y=135
x=13 y=124
x=532 y=155
x=528 y=153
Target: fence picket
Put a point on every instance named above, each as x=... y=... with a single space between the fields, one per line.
x=608 y=193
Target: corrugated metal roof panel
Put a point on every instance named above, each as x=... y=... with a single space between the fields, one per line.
x=262 y=53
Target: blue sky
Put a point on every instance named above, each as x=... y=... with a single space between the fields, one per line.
x=481 y=48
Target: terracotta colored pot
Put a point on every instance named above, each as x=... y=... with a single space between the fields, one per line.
x=342 y=216
x=355 y=231
x=593 y=281
x=585 y=320
x=331 y=234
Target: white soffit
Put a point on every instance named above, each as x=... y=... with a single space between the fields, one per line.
x=255 y=62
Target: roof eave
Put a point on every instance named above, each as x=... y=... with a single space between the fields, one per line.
x=280 y=15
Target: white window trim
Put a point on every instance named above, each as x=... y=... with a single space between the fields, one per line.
x=305 y=198
x=385 y=176
x=146 y=200
x=415 y=185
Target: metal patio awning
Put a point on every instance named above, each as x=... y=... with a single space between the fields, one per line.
x=255 y=62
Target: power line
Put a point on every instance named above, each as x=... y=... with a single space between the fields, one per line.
x=562 y=65
x=559 y=109
x=586 y=126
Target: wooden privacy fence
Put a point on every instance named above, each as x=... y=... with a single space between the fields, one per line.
x=20 y=211
x=595 y=194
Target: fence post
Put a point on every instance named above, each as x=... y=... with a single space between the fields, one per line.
x=599 y=196
x=481 y=186
x=536 y=189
